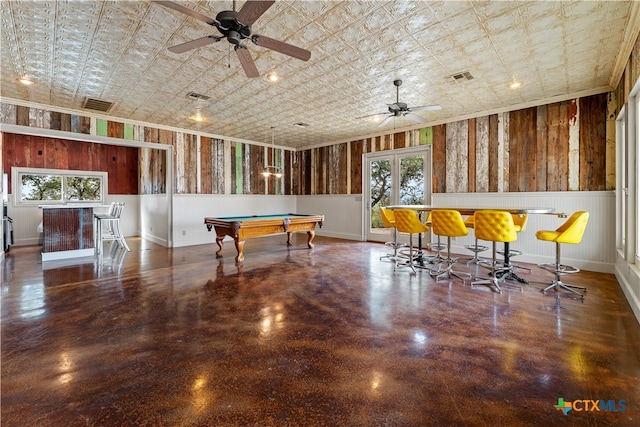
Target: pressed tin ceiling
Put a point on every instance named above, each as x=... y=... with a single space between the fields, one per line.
x=116 y=51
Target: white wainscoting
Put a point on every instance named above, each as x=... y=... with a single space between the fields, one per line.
x=342 y=214
x=597 y=250
x=189 y=211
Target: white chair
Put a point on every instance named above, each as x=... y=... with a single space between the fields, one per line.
x=108 y=227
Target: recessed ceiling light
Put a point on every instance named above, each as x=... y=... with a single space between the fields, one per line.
x=24 y=81
x=273 y=77
x=515 y=84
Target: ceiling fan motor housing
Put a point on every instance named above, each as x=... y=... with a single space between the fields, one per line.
x=229 y=26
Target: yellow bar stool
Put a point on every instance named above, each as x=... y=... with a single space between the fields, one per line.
x=495 y=226
x=389 y=221
x=449 y=223
x=520 y=222
x=407 y=221
x=570 y=232
x=475 y=248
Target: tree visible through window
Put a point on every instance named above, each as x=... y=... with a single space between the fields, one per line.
x=59 y=186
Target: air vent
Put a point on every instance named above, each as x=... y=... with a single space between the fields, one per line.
x=97 y=104
x=198 y=96
x=460 y=77
x=302 y=125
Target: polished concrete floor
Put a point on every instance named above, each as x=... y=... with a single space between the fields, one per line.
x=296 y=337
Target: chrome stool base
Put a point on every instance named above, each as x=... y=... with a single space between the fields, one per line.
x=557 y=284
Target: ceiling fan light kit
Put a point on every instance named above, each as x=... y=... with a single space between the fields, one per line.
x=236 y=27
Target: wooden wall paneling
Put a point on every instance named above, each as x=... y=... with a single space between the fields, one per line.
x=400 y=140
x=75 y=124
x=85 y=125
x=387 y=143
x=593 y=142
x=132 y=171
x=112 y=169
x=522 y=149
x=49 y=153
x=65 y=122
x=37 y=153
x=611 y=114
x=61 y=154
x=288 y=172
x=178 y=164
x=337 y=169
x=295 y=173
x=456 y=156
x=318 y=163
x=234 y=172
x=439 y=159
x=7 y=113
x=305 y=170
x=356 y=166
x=471 y=152
x=151 y=134
x=115 y=129
x=39 y=118
x=492 y=151
x=190 y=163
x=56 y=122
x=77 y=159
x=503 y=153
x=541 y=149
x=558 y=146
x=482 y=154
x=247 y=171
x=206 y=165
x=218 y=156
x=22 y=115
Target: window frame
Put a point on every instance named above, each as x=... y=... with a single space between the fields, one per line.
x=18 y=172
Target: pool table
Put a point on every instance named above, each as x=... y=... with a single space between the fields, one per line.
x=241 y=228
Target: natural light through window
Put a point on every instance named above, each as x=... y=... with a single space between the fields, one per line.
x=57 y=186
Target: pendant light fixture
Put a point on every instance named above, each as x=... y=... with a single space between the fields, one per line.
x=272 y=169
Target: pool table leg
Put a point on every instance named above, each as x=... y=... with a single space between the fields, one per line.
x=310 y=236
x=240 y=249
x=289 y=241
x=219 y=240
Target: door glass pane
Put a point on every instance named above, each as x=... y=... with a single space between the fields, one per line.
x=380 y=185
x=412 y=180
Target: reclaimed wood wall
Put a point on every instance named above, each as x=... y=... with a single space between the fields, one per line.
x=121 y=163
x=555 y=147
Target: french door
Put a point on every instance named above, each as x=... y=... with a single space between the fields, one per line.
x=400 y=177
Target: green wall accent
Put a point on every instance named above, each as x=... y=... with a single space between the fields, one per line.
x=101 y=127
x=128 y=131
x=426 y=136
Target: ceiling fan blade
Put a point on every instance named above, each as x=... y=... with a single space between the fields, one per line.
x=385 y=121
x=372 y=115
x=187 y=11
x=426 y=108
x=282 y=47
x=252 y=10
x=414 y=118
x=203 y=41
x=246 y=61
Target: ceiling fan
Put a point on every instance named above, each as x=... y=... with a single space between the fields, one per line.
x=400 y=109
x=236 y=27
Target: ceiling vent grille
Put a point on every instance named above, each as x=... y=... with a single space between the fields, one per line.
x=460 y=77
x=97 y=104
x=198 y=96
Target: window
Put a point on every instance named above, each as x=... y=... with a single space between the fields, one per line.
x=57 y=186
